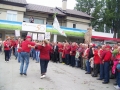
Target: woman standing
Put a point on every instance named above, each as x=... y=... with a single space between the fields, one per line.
x=7 y=47
x=19 y=49
x=45 y=49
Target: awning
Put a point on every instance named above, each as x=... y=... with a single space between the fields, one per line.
x=106 y=38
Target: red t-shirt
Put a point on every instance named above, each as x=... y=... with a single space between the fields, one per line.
x=67 y=49
x=96 y=57
x=108 y=56
x=7 y=45
x=73 y=50
x=45 y=52
x=25 y=47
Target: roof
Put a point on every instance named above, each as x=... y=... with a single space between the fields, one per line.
x=75 y=12
x=17 y=1
x=41 y=8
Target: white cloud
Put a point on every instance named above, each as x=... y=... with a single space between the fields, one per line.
x=53 y=3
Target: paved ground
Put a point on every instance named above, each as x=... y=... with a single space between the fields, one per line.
x=59 y=77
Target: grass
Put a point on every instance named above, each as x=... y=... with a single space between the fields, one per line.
x=68 y=33
x=10 y=27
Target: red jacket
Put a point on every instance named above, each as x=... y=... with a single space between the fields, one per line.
x=7 y=45
x=73 y=50
x=96 y=57
x=19 y=48
x=25 y=47
x=108 y=56
x=45 y=52
x=67 y=49
x=60 y=47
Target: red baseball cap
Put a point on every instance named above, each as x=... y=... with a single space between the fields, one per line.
x=28 y=37
x=108 y=46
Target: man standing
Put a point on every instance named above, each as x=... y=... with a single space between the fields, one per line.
x=56 y=52
x=26 y=47
x=106 y=62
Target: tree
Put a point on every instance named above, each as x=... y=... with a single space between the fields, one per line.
x=94 y=8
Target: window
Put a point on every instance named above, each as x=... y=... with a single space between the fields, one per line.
x=37 y=21
x=74 y=25
x=11 y=15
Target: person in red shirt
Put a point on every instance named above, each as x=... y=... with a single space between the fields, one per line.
x=60 y=49
x=7 y=47
x=37 y=51
x=96 y=61
x=67 y=54
x=106 y=62
x=73 y=53
x=26 y=47
x=45 y=49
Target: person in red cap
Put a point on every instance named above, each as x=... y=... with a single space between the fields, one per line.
x=26 y=47
x=106 y=62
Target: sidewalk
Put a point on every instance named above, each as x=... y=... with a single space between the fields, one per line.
x=59 y=77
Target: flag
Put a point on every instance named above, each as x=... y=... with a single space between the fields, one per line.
x=56 y=26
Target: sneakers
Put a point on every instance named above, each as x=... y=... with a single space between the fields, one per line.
x=117 y=87
x=43 y=76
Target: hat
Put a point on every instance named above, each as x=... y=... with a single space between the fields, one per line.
x=28 y=36
x=108 y=46
x=93 y=45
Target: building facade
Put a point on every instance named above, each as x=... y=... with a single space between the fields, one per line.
x=14 y=12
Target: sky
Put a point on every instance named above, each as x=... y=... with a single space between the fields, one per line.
x=53 y=3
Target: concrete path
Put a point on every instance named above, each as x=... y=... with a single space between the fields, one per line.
x=59 y=77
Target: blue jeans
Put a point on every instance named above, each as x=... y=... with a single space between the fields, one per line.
x=16 y=53
x=43 y=65
x=72 y=60
x=118 y=78
x=38 y=56
x=19 y=56
x=101 y=71
x=24 y=61
x=88 y=66
x=33 y=54
x=76 y=62
x=106 y=71
x=67 y=59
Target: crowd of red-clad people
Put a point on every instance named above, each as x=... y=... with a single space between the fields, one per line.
x=102 y=61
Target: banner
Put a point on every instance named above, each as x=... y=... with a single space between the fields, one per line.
x=33 y=27
x=34 y=36
x=17 y=33
x=41 y=37
x=56 y=26
x=47 y=35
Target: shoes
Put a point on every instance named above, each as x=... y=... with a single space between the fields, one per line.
x=25 y=74
x=94 y=75
x=21 y=73
x=115 y=83
x=87 y=73
x=99 y=79
x=117 y=87
x=43 y=76
x=105 y=82
x=36 y=62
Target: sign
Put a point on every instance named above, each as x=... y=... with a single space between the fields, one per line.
x=17 y=33
x=41 y=37
x=33 y=27
x=47 y=35
x=34 y=36
x=10 y=25
x=29 y=34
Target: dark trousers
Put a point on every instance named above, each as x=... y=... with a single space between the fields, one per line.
x=101 y=71
x=96 y=69
x=72 y=60
x=67 y=59
x=81 y=62
x=43 y=65
x=13 y=50
x=88 y=66
x=7 y=55
x=56 y=58
x=63 y=59
x=106 y=71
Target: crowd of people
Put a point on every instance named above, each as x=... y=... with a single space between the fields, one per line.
x=101 y=61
